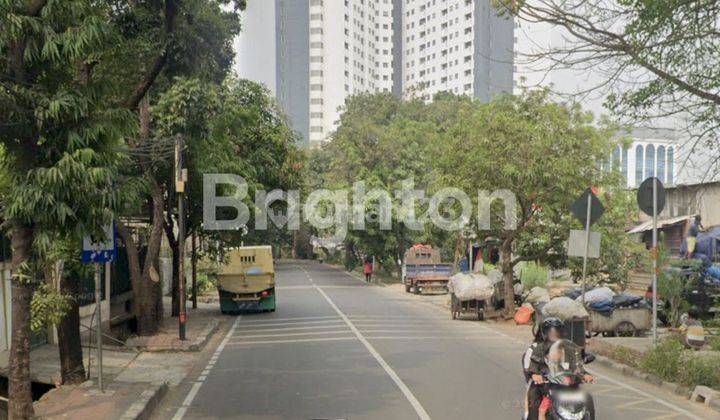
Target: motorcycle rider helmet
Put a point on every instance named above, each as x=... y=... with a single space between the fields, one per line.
x=550 y=325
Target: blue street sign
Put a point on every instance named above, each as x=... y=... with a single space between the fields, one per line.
x=100 y=252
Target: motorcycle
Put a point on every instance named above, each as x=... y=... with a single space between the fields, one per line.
x=563 y=382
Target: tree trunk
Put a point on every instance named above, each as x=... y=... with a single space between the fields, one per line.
x=20 y=405
x=507 y=270
x=144 y=288
x=72 y=370
x=193 y=267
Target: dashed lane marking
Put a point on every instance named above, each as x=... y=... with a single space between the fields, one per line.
x=422 y=414
x=180 y=413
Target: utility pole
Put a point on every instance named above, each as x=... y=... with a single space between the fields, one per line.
x=193 y=266
x=98 y=336
x=180 y=190
x=655 y=259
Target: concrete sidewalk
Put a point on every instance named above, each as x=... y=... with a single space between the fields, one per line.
x=136 y=377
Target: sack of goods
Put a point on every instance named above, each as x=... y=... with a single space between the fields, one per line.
x=470 y=286
x=537 y=295
x=597 y=295
x=564 y=308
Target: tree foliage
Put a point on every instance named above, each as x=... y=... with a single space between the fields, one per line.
x=654 y=58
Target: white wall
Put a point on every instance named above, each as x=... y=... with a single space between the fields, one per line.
x=255 y=46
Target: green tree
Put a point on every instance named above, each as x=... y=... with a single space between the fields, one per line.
x=544 y=153
x=158 y=42
x=60 y=143
x=234 y=128
x=381 y=141
x=669 y=49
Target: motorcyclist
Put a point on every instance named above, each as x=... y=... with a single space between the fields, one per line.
x=535 y=364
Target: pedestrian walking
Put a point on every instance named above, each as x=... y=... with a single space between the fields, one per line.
x=368 y=269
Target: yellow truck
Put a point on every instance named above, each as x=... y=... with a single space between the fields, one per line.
x=247 y=282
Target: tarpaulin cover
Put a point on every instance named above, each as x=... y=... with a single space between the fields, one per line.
x=470 y=286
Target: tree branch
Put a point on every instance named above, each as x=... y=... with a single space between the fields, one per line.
x=171 y=10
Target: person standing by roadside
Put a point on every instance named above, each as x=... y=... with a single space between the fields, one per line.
x=368 y=269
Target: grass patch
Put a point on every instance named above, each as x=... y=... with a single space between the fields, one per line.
x=664 y=360
x=534 y=275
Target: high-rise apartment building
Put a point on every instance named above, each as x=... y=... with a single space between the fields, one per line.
x=329 y=49
x=458 y=46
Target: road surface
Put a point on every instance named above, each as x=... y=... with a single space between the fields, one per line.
x=337 y=348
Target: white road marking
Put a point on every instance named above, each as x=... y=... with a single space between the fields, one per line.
x=180 y=413
x=644 y=394
x=314 y=327
x=422 y=414
x=296 y=323
x=298 y=340
x=256 y=321
x=609 y=379
x=345 y=331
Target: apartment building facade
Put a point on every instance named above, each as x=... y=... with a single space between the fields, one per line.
x=330 y=49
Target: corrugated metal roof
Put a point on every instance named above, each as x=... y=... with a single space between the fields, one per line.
x=644 y=227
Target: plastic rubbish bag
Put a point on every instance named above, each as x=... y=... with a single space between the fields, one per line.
x=564 y=308
x=597 y=295
x=495 y=276
x=538 y=294
x=469 y=286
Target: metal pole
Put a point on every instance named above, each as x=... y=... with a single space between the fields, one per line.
x=180 y=189
x=587 y=245
x=181 y=267
x=655 y=263
x=193 y=267
x=98 y=308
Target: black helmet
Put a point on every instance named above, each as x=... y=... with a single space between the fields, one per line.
x=550 y=323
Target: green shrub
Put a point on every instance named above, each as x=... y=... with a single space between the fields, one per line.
x=664 y=360
x=715 y=343
x=533 y=275
x=696 y=369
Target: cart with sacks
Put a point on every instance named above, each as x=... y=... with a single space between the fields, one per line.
x=475 y=295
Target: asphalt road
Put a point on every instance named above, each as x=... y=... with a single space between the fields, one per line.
x=337 y=348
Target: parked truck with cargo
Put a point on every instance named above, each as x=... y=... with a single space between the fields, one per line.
x=423 y=270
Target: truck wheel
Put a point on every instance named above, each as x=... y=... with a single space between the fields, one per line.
x=407 y=288
x=625 y=329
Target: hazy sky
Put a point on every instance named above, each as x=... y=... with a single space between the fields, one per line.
x=255 y=46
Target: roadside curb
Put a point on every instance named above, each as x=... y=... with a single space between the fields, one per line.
x=204 y=335
x=174 y=345
x=673 y=387
x=144 y=406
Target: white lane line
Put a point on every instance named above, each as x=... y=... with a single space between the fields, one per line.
x=644 y=394
x=591 y=371
x=298 y=340
x=314 y=327
x=180 y=413
x=451 y=333
x=422 y=414
x=287 y=324
x=431 y=337
x=344 y=331
x=255 y=321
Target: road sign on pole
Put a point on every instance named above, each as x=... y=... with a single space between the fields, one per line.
x=651 y=200
x=99 y=251
x=587 y=209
